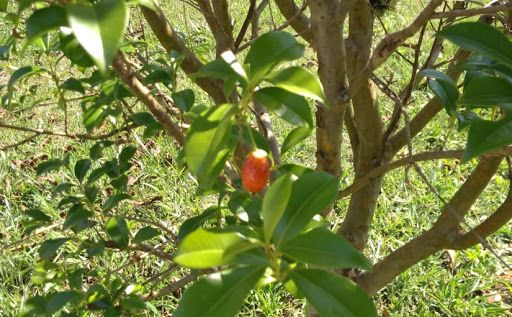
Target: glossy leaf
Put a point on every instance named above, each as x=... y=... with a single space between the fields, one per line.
x=45 y=20
x=146 y=233
x=482 y=91
x=323 y=248
x=81 y=169
x=246 y=207
x=72 y=49
x=274 y=203
x=193 y=223
x=73 y=84
x=311 y=194
x=444 y=88
x=270 y=50
x=209 y=143
x=204 y=249
x=117 y=229
x=486 y=135
x=333 y=295
x=49 y=166
x=295 y=137
x=57 y=301
x=127 y=153
x=184 y=99
x=99 y=28
x=22 y=73
x=50 y=247
x=77 y=219
x=219 y=294
x=480 y=38
x=300 y=81
x=114 y=200
x=291 y=107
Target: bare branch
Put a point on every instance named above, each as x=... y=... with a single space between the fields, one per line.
x=435 y=239
x=472 y=12
x=171 y=41
x=173 y=287
x=391 y=42
x=298 y=21
x=145 y=96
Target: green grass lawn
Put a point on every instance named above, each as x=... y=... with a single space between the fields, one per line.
x=465 y=283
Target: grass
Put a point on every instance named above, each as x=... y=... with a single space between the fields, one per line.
x=474 y=284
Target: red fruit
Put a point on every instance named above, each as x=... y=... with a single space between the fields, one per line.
x=256 y=171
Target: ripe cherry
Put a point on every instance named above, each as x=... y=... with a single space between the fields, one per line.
x=256 y=171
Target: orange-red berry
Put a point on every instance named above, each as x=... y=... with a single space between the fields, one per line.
x=256 y=171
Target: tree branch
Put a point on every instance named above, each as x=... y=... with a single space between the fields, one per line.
x=298 y=21
x=144 y=95
x=489 y=226
x=472 y=12
x=391 y=42
x=442 y=232
x=172 y=42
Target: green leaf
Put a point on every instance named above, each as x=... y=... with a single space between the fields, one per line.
x=481 y=91
x=96 y=151
x=94 y=116
x=77 y=219
x=209 y=143
x=50 y=247
x=3 y=5
x=72 y=49
x=81 y=169
x=44 y=20
x=49 y=166
x=300 y=81
x=99 y=28
x=191 y=224
x=290 y=107
x=146 y=233
x=117 y=229
x=333 y=295
x=486 y=135
x=22 y=73
x=59 y=300
x=127 y=153
x=444 y=87
x=114 y=200
x=295 y=137
x=323 y=248
x=184 y=99
x=270 y=50
x=219 y=294
x=274 y=204
x=73 y=84
x=246 y=207
x=204 y=249
x=311 y=194
x=218 y=69
x=480 y=38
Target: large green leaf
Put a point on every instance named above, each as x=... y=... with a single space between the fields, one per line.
x=204 y=249
x=311 y=194
x=480 y=38
x=192 y=223
x=300 y=81
x=333 y=295
x=219 y=294
x=444 y=87
x=274 y=203
x=209 y=143
x=482 y=91
x=50 y=247
x=269 y=50
x=45 y=20
x=22 y=73
x=323 y=248
x=117 y=229
x=99 y=28
x=289 y=106
x=486 y=135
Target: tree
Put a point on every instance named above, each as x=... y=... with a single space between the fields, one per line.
x=246 y=240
